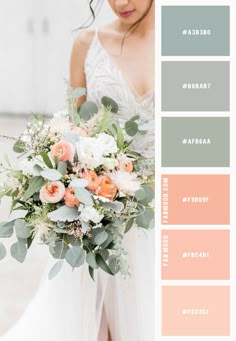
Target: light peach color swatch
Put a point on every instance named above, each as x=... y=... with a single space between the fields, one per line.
x=195 y=199
x=196 y=254
x=196 y=310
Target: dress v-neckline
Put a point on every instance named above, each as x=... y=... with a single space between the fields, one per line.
x=139 y=99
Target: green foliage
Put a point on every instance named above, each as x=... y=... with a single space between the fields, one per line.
x=75 y=256
x=22 y=230
x=6 y=229
x=19 y=147
x=19 y=251
x=87 y=110
x=55 y=269
x=35 y=185
x=3 y=251
x=109 y=103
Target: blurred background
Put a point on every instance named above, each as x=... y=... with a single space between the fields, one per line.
x=36 y=38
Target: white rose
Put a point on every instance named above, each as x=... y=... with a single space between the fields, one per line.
x=107 y=144
x=88 y=152
x=90 y=213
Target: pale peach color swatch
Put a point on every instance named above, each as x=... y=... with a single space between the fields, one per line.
x=178 y=191
x=195 y=254
x=196 y=310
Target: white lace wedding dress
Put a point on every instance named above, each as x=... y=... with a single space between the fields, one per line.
x=72 y=306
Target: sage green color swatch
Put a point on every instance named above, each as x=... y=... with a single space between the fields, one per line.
x=195 y=141
x=195 y=30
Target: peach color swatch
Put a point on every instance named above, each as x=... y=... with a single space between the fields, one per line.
x=196 y=310
x=195 y=254
x=195 y=199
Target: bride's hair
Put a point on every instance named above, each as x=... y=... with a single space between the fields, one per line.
x=97 y=8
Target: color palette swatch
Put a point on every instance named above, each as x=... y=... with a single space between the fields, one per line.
x=195 y=199
x=195 y=31
x=196 y=310
x=195 y=254
x=195 y=86
x=195 y=195
x=195 y=141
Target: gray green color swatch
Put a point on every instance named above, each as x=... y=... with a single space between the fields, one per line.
x=195 y=142
x=195 y=86
x=195 y=30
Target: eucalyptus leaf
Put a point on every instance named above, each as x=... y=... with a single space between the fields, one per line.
x=101 y=237
x=110 y=103
x=103 y=265
x=46 y=159
x=131 y=128
x=134 y=118
x=35 y=185
x=116 y=206
x=60 y=250
x=84 y=196
x=87 y=110
x=6 y=229
x=149 y=195
x=37 y=170
x=62 y=167
x=91 y=260
x=129 y=224
x=71 y=136
x=145 y=219
x=22 y=230
x=3 y=251
x=114 y=264
x=19 y=147
x=19 y=251
x=55 y=269
x=79 y=183
x=64 y=213
x=60 y=230
x=107 y=241
x=78 y=92
x=51 y=174
x=91 y=272
x=75 y=256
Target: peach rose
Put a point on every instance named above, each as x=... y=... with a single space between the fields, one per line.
x=92 y=178
x=106 y=187
x=70 y=198
x=63 y=150
x=52 y=192
x=79 y=130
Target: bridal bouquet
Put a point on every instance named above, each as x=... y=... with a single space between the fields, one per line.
x=79 y=185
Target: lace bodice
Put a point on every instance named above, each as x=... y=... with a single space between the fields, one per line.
x=104 y=78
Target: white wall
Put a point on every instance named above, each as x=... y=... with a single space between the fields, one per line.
x=35 y=44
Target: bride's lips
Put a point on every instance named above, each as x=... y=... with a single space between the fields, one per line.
x=126 y=14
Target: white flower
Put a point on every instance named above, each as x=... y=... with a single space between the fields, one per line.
x=61 y=114
x=110 y=163
x=88 y=152
x=52 y=192
x=59 y=125
x=126 y=182
x=90 y=213
x=107 y=144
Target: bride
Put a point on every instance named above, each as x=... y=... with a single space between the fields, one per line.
x=116 y=60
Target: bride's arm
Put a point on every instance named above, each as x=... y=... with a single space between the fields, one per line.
x=77 y=59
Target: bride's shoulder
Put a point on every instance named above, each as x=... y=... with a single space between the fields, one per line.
x=84 y=38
